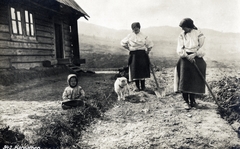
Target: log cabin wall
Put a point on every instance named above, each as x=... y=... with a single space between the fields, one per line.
x=32 y=46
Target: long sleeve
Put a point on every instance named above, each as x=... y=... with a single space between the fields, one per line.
x=200 y=51
x=65 y=94
x=180 y=46
x=124 y=42
x=201 y=40
x=149 y=43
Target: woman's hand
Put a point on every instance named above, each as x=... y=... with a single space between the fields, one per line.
x=59 y=102
x=191 y=57
x=148 y=50
x=126 y=47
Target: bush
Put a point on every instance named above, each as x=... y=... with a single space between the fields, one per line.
x=64 y=131
x=10 y=137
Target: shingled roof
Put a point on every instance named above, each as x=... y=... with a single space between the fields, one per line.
x=74 y=5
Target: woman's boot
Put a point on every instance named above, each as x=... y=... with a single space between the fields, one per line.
x=137 y=85
x=142 y=84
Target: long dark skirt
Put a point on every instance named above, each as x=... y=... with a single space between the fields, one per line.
x=187 y=78
x=139 y=65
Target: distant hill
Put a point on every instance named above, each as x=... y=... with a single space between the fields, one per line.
x=155 y=32
x=219 y=46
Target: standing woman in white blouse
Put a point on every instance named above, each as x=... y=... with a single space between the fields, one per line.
x=139 y=47
x=187 y=80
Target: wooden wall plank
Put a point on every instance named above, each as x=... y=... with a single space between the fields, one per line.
x=4 y=9
x=26 y=65
x=17 y=51
x=45 y=46
x=5 y=36
x=44 y=28
x=45 y=40
x=66 y=27
x=67 y=37
x=44 y=34
x=15 y=59
x=44 y=16
x=28 y=55
x=4 y=28
x=4 y=14
x=67 y=48
x=5 y=63
x=40 y=21
x=67 y=43
x=4 y=20
x=67 y=54
x=22 y=45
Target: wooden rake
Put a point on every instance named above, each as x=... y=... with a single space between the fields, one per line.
x=214 y=98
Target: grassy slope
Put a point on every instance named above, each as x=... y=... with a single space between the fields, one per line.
x=108 y=53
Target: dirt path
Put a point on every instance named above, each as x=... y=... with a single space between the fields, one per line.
x=151 y=123
x=160 y=124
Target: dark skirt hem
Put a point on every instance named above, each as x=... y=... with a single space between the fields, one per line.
x=187 y=77
x=139 y=65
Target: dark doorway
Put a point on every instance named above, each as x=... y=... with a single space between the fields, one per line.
x=58 y=41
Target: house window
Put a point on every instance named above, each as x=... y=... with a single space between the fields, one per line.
x=22 y=23
x=29 y=23
x=16 y=22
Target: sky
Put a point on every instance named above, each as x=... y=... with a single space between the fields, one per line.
x=220 y=15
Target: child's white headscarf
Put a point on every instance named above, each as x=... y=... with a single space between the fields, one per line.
x=72 y=76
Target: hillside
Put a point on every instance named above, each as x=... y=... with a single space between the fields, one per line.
x=105 y=42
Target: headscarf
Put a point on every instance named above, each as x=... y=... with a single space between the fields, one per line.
x=135 y=24
x=72 y=76
x=187 y=22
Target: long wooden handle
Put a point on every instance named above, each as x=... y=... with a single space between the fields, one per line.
x=154 y=76
x=214 y=98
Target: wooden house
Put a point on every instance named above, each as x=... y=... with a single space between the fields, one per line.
x=34 y=31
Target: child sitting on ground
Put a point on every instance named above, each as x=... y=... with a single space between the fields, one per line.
x=73 y=94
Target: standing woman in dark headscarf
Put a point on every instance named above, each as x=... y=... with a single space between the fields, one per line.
x=187 y=79
x=139 y=46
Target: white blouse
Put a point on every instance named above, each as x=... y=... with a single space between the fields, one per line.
x=137 y=42
x=191 y=42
